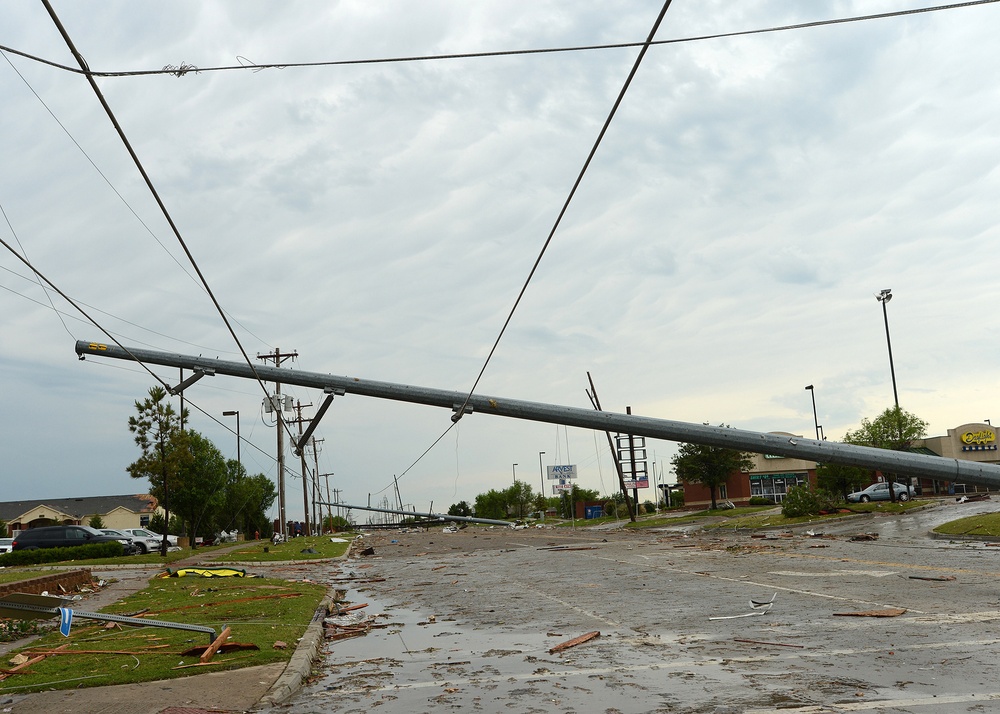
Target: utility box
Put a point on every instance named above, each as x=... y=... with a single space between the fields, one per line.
x=593 y=512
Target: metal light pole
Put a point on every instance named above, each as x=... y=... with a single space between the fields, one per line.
x=513 y=470
x=541 y=477
x=236 y=414
x=815 y=418
x=883 y=297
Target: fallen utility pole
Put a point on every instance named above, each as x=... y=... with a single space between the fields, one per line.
x=935 y=467
x=415 y=514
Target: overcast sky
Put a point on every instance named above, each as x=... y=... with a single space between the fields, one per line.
x=722 y=252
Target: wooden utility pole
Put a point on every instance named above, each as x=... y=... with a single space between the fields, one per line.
x=277 y=405
x=305 y=474
x=317 y=511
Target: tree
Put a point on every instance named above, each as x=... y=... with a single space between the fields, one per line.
x=519 y=497
x=841 y=479
x=462 y=508
x=200 y=492
x=96 y=521
x=894 y=429
x=247 y=501
x=710 y=466
x=492 y=504
x=575 y=495
x=164 y=449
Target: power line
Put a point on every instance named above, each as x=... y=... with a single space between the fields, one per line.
x=562 y=212
x=184 y=69
x=149 y=184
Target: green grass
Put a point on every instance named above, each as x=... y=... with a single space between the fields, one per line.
x=729 y=514
x=10 y=575
x=260 y=611
x=986 y=524
x=262 y=551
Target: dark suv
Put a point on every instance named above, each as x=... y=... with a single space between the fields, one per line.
x=63 y=537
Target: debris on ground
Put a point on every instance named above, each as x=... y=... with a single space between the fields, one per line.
x=574 y=642
x=936 y=579
x=770 y=644
x=758 y=607
x=864 y=536
x=887 y=612
x=971 y=498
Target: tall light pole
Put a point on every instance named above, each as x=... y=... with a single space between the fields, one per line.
x=812 y=391
x=883 y=297
x=513 y=470
x=236 y=414
x=541 y=476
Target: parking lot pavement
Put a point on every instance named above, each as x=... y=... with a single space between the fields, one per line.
x=466 y=620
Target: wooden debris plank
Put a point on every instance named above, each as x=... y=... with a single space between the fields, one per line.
x=574 y=642
x=214 y=647
x=772 y=644
x=937 y=579
x=888 y=612
x=24 y=665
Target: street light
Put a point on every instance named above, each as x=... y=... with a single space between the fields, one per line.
x=513 y=470
x=541 y=477
x=815 y=418
x=236 y=414
x=883 y=297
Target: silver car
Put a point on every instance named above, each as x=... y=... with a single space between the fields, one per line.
x=147 y=540
x=880 y=492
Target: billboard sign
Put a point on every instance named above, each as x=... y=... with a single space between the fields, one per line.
x=561 y=472
x=641 y=483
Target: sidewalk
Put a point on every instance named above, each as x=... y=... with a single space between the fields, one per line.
x=237 y=690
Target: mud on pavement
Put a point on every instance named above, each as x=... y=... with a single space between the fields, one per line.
x=688 y=623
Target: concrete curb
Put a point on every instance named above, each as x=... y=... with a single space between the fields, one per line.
x=300 y=665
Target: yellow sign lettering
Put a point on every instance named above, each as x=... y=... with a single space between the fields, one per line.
x=979 y=437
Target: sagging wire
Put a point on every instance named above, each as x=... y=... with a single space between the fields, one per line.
x=183 y=69
x=562 y=212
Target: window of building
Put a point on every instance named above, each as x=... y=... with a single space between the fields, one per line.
x=774 y=486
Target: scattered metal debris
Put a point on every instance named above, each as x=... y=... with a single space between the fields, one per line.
x=864 y=537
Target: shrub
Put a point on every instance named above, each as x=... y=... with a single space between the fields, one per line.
x=55 y=555
x=800 y=501
x=760 y=501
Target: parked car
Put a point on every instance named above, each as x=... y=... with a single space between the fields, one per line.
x=60 y=537
x=130 y=546
x=880 y=492
x=5 y=544
x=146 y=540
x=171 y=539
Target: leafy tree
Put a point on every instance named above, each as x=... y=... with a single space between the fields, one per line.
x=895 y=429
x=201 y=485
x=462 y=508
x=575 y=495
x=164 y=448
x=246 y=503
x=492 y=504
x=710 y=466
x=841 y=479
x=96 y=521
x=519 y=497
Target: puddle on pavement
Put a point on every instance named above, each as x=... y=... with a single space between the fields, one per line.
x=415 y=664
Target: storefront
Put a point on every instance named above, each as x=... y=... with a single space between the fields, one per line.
x=975 y=441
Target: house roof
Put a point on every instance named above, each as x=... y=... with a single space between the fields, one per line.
x=79 y=507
